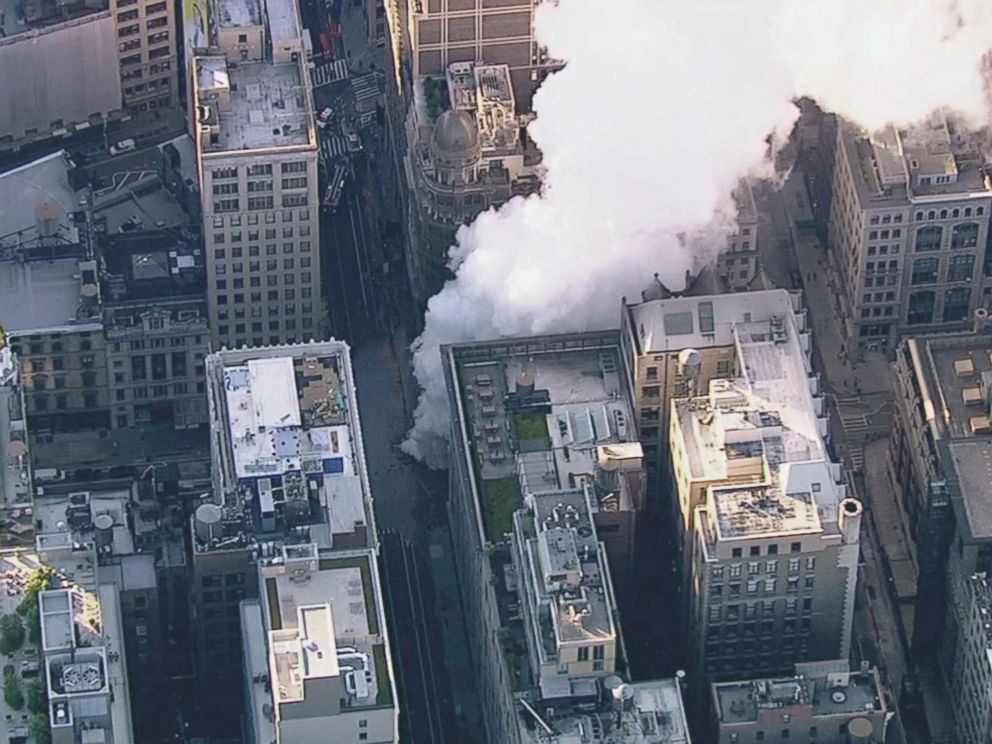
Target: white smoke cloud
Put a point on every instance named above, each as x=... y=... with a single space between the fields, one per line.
x=661 y=107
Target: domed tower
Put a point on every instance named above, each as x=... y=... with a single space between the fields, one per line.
x=455 y=148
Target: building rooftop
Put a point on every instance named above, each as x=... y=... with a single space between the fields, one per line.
x=37 y=195
x=254 y=105
x=934 y=159
x=323 y=618
x=284 y=20
x=953 y=376
x=826 y=688
x=566 y=574
x=236 y=13
x=653 y=713
x=486 y=94
x=150 y=264
x=764 y=431
x=292 y=449
x=43 y=295
x=675 y=323
x=541 y=414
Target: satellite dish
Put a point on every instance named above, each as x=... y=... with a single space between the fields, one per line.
x=88 y=290
x=16 y=448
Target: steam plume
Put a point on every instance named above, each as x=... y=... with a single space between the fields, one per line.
x=661 y=107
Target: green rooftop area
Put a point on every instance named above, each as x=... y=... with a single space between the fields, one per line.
x=531 y=431
x=385 y=696
x=500 y=498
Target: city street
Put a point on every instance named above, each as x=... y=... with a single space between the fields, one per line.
x=370 y=307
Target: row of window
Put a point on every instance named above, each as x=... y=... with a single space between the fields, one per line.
x=234 y=220
x=289 y=324
x=796 y=547
x=253 y=235
x=931 y=237
x=261 y=169
x=787 y=733
x=755 y=567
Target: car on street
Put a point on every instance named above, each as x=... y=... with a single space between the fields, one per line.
x=324 y=116
x=125 y=145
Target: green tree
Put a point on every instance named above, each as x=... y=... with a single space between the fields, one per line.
x=37 y=696
x=11 y=634
x=12 y=692
x=41 y=732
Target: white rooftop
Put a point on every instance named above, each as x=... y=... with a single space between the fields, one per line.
x=678 y=323
x=237 y=13
x=284 y=20
x=268 y=103
x=759 y=437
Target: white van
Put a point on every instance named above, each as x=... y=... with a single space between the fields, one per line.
x=48 y=475
x=126 y=145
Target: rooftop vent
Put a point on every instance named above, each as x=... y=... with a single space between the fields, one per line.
x=980 y=425
x=972 y=396
x=964 y=367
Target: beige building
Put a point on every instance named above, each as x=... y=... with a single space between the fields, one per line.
x=908 y=229
x=970 y=680
x=327 y=656
x=257 y=158
x=460 y=163
x=662 y=333
x=74 y=65
x=564 y=587
x=823 y=701
x=770 y=540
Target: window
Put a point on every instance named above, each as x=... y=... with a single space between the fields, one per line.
x=294 y=200
x=583 y=653
x=735 y=571
x=599 y=652
x=296 y=166
x=770 y=586
x=263 y=169
x=811 y=564
x=928 y=238
x=961 y=268
x=736 y=552
x=920 y=308
x=755 y=550
x=773 y=549
x=256 y=203
x=964 y=235
x=925 y=271
x=226 y=205
x=956 y=304
x=771 y=567
x=793 y=566
x=220 y=189
x=297 y=182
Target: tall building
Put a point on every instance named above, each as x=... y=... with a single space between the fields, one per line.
x=79 y=64
x=970 y=679
x=664 y=331
x=461 y=162
x=317 y=662
x=822 y=701
x=257 y=158
x=289 y=471
x=770 y=540
x=538 y=421
x=909 y=223
x=738 y=265
x=940 y=445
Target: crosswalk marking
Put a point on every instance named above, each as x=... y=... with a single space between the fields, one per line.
x=330 y=72
x=366 y=87
x=332 y=147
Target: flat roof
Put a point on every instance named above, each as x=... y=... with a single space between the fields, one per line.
x=268 y=104
x=39 y=295
x=655 y=715
x=676 y=323
x=24 y=191
x=759 y=437
x=328 y=625
x=237 y=13
x=954 y=378
x=294 y=438
x=257 y=670
x=824 y=691
x=284 y=20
